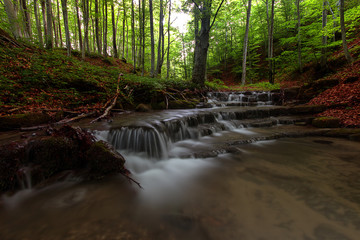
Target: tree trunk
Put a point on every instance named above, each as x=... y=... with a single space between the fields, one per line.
x=27 y=20
x=105 y=26
x=168 y=48
x=202 y=45
x=299 y=35
x=49 y=36
x=85 y=4
x=245 y=47
x=66 y=25
x=133 y=35
x=152 y=67
x=324 y=38
x=161 y=35
x=114 y=29
x=12 y=17
x=59 y=23
x=98 y=45
x=79 y=24
x=143 y=39
x=348 y=57
x=43 y=10
x=184 y=56
x=270 y=39
x=38 y=24
x=123 y=32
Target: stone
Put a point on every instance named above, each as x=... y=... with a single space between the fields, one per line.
x=326 y=122
x=143 y=108
x=355 y=137
x=23 y=120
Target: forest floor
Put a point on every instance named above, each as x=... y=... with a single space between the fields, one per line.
x=36 y=80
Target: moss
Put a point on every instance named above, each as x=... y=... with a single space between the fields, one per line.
x=326 y=122
x=54 y=154
x=102 y=160
x=23 y=120
x=182 y=104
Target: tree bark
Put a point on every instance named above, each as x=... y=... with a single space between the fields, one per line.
x=105 y=26
x=27 y=21
x=324 y=38
x=66 y=25
x=49 y=36
x=168 y=48
x=161 y=35
x=299 y=35
x=123 y=32
x=79 y=24
x=98 y=45
x=270 y=39
x=133 y=35
x=38 y=24
x=59 y=23
x=348 y=57
x=152 y=45
x=143 y=39
x=85 y=4
x=114 y=29
x=245 y=47
x=12 y=17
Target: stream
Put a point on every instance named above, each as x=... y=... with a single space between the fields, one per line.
x=228 y=172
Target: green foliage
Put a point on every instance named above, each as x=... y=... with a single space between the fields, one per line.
x=264 y=86
x=216 y=84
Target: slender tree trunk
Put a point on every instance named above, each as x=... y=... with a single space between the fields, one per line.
x=143 y=39
x=270 y=39
x=196 y=28
x=123 y=32
x=324 y=38
x=299 y=35
x=55 y=30
x=59 y=23
x=105 y=27
x=43 y=10
x=114 y=29
x=133 y=35
x=245 y=47
x=348 y=57
x=38 y=24
x=98 y=45
x=79 y=24
x=27 y=20
x=168 y=48
x=66 y=25
x=184 y=56
x=85 y=4
x=152 y=67
x=139 y=35
x=161 y=35
x=49 y=36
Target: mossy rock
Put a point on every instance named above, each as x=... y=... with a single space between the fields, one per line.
x=103 y=160
x=10 y=161
x=182 y=104
x=143 y=108
x=23 y=120
x=326 y=122
x=54 y=154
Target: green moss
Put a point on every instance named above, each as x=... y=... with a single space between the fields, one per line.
x=23 y=120
x=326 y=122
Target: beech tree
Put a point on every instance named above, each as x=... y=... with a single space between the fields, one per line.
x=343 y=33
x=246 y=39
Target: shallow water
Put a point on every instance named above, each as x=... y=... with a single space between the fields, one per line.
x=303 y=188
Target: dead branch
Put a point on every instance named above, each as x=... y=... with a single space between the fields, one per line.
x=108 y=109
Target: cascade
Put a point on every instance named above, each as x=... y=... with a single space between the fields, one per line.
x=242 y=98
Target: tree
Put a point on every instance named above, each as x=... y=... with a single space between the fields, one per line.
x=270 y=38
x=66 y=25
x=160 y=40
x=168 y=48
x=49 y=35
x=202 y=42
x=98 y=43
x=38 y=24
x=114 y=29
x=348 y=57
x=152 y=44
x=11 y=13
x=324 y=37
x=299 y=35
x=133 y=35
x=26 y=17
x=79 y=24
x=248 y=13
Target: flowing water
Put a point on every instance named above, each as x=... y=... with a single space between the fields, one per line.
x=206 y=174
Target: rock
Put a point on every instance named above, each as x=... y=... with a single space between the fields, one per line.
x=10 y=162
x=143 y=108
x=103 y=160
x=326 y=122
x=182 y=104
x=355 y=137
x=291 y=93
x=264 y=97
x=23 y=120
